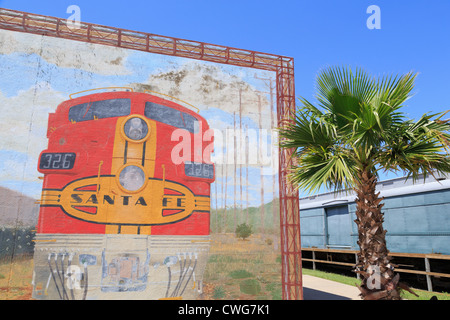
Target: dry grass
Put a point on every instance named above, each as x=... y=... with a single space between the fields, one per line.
x=15 y=279
x=233 y=261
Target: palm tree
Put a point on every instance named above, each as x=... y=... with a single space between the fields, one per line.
x=355 y=132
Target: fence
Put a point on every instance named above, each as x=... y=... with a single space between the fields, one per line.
x=426 y=258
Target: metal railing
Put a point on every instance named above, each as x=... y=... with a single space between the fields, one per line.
x=427 y=272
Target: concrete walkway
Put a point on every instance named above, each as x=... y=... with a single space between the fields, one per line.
x=321 y=289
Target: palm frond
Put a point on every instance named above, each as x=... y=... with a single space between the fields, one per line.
x=322 y=168
x=309 y=128
x=395 y=90
x=418 y=148
x=358 y=123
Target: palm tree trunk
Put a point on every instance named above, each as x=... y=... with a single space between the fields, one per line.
x=379 y=282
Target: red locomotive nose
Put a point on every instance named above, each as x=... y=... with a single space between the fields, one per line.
x=108 y=168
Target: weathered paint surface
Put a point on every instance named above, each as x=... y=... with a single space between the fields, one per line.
x=98 y=243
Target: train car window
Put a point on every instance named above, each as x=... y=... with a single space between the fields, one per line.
x=171 y=117
x=100 y=109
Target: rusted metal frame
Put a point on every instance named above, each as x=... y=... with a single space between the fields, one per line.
x=106 y=36
x=96 y=34
x=14 y=18
x=40 y=23
x=227 y=56
x=89 y=30
x=14 y=21
x=58 y=26
x=292 y=228
x=147 y=42
x=202 y=51
x=135 y=40
x=30 y=23
x=158 y=43
x=289 y=211
x=24 y=22
x=119 y=38
x=289 y=203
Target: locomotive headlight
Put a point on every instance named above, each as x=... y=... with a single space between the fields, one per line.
x=132 y=178
x=135 y=129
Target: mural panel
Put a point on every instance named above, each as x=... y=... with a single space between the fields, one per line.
x=126 y=174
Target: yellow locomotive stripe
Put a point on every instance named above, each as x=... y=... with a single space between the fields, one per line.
x=143 y=209
x=129 y=152
x=50 y=197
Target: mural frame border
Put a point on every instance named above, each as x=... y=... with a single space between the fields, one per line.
x=291 y=277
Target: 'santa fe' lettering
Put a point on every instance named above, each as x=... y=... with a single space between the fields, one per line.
x=78 y=198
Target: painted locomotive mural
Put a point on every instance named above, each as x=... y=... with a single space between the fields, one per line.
x=110 y=194
x=121 y=217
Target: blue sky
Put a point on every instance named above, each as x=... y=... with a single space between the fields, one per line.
x=414 y=35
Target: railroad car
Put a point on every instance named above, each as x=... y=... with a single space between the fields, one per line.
x=417 y=220
x=416 y=217
x=121 y=216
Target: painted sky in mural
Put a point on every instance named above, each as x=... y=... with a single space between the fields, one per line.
x=40 y=72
